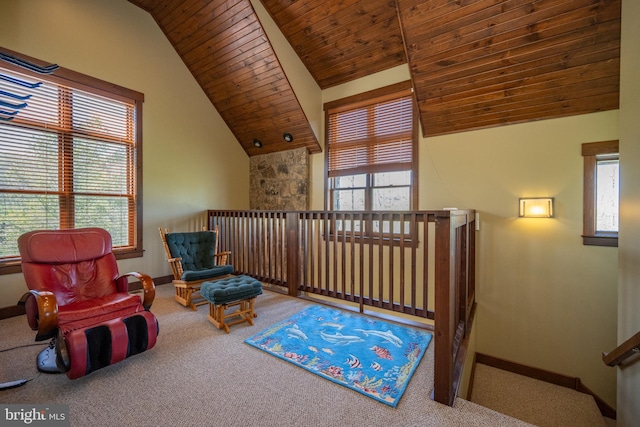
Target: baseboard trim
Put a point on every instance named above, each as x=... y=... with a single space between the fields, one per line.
x=18 y=309
x=573 y=383
x=11 y=311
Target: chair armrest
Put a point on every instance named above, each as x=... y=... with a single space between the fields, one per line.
x=176 y=267
x=148 y=287
x=222 y=257
x=42 y=313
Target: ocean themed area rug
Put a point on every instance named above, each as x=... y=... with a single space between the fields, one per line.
x=370 y=356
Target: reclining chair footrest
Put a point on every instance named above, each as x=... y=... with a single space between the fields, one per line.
x=108 y=343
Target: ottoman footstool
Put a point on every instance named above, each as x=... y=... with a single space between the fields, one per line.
x=225 y=293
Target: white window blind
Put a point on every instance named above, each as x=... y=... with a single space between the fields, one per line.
x=67 y=160
x=374 y=136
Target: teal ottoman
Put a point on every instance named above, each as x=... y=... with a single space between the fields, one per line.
x=234 y=291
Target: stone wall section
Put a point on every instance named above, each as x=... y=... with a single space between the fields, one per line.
x=279 y=181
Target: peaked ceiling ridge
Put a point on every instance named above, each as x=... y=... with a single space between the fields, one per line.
x=228 y=52
x=473 y=64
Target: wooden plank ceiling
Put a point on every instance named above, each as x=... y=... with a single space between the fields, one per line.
x=477 y=64
x=473 y=63
x=226 y=49
x=339 y=41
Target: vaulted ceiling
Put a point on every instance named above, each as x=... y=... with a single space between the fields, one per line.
x=473 y=63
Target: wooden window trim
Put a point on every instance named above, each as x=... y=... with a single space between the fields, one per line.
x=361 y=100
x=366 y=98
x=590 y=151
x=94 y=85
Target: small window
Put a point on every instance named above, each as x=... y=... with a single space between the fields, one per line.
x=601 y=193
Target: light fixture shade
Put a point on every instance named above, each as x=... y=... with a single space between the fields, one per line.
x=536 y=207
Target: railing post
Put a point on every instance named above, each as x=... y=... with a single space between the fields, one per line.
x=445 y=300
x=471 y=268
x=292 y=247
x=462 y=271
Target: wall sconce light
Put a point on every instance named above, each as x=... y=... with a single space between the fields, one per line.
x=257 y=143
x=287 y=137
x=536 y=207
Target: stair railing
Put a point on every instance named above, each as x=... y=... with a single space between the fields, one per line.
x=417 y=263
x=623 y=351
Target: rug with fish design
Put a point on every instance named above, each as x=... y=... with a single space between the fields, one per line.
x=370 y=356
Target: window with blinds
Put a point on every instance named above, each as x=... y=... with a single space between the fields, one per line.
x=69 y=158
x=374 y=137
x=371 y=154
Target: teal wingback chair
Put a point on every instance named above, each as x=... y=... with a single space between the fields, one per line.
x=194 y=259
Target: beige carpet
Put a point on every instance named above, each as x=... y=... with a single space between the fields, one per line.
x=534 y=401
x=197 y=375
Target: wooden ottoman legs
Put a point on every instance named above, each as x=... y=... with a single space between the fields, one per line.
x=217 y=314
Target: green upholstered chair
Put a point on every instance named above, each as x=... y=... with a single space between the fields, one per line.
x=194 y=259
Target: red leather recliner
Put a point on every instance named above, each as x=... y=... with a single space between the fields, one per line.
x=78 y=298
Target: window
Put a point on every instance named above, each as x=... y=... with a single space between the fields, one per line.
x=371 y=153
x=601 y=193
x=70 y=157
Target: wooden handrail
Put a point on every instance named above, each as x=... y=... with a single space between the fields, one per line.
x=376 y=260
x=623 y=351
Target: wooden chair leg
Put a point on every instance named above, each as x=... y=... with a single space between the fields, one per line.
x=182 y=296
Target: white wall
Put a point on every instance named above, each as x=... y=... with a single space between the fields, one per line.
x=629 y=265
x=191 y=161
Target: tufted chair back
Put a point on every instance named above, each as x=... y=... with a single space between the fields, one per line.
x=197 y=249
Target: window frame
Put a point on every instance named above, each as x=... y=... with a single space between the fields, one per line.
x=362 y=100
x=75 y=80
x=590 y=153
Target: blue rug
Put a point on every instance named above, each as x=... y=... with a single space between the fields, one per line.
x=370 y=356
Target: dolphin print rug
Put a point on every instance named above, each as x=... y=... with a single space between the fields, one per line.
x=370 y=356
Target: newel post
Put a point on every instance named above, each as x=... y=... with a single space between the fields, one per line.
x=292 y=242
x=445 y=301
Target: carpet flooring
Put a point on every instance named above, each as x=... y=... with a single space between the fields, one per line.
x=197 y=375
x=534 y=401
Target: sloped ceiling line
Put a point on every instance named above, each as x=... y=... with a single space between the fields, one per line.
x=226 y=49
x=477 y=64
x=473 y=63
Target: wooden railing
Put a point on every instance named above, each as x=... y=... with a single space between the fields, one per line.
x=419 y=263
x=623 y=351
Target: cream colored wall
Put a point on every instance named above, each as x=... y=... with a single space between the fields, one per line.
x=544 y=299
x=305 y=87
x=629 y=262
x=191 y=161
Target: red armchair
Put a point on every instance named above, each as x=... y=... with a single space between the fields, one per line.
x=78 y=299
